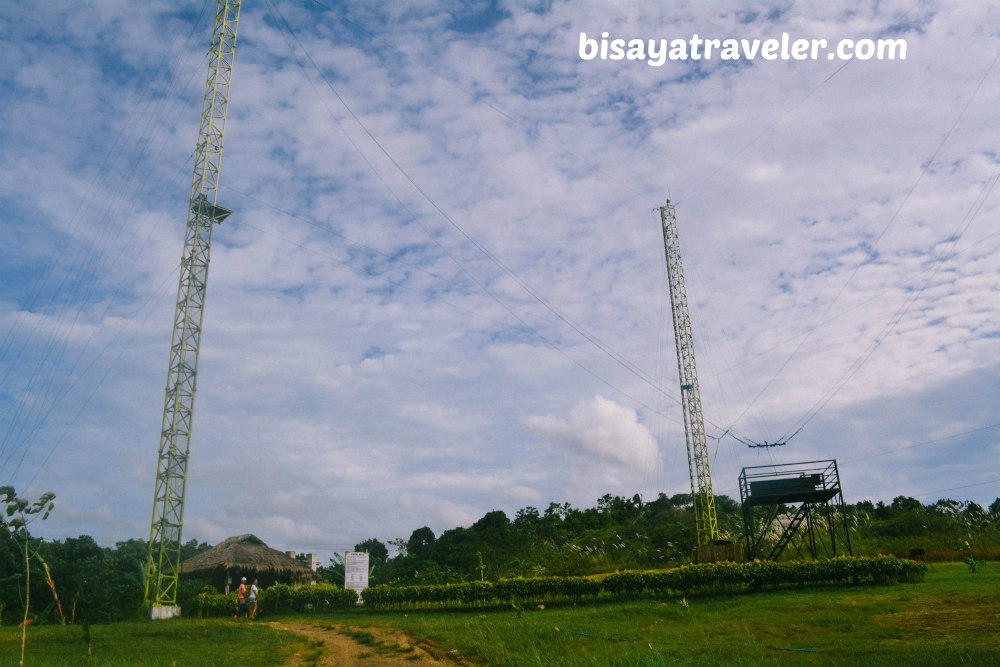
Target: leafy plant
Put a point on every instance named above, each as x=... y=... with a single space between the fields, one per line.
x=279 y=598
x=323 y=597
x=52 y=586
x=17 y=511
x=684 y=580
x=481 y=567
x=973 y=564
x=86 y=638
x=211 y=603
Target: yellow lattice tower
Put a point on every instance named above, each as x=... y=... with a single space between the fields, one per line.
x=706 y=524
x=163 y=565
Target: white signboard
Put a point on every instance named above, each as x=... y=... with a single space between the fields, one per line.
x=356 y=571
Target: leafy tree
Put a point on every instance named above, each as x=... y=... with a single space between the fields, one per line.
x=726 y=505
x=994 y=509
x=192 y=548
x=420 y=541
x=527 y=517
x=81 y=567
x=10 y=568
x=16 y=513
x=906 y=504
x=681 y=500
x=125 y=588
x=622 y=532
x=974 y=514
x=335 y=573
x=494 y=522
x=399 y=544
x=102 y=584
x=863 y=510
x=377 y=551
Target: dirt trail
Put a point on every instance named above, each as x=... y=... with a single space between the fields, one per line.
x=382 y=647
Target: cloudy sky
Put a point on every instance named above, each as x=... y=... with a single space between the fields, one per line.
x=443 y=289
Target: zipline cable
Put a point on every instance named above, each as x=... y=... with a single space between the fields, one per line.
x=534 y=294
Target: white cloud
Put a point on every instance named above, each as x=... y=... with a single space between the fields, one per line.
x=371 y=369
x=600 y=430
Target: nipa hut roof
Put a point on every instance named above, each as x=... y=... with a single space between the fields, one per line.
x=245 y=552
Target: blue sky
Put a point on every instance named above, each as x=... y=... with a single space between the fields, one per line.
x=443 y=289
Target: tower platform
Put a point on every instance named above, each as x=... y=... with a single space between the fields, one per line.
x=794 y=504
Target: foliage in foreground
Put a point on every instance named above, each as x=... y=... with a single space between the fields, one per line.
x=685 y=580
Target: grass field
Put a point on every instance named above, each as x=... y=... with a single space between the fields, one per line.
x=177 y=642
x=952 y=618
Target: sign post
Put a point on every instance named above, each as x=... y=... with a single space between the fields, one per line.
x=356 y=571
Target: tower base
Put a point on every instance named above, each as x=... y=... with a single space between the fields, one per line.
x=720 y=551
x=157 y=612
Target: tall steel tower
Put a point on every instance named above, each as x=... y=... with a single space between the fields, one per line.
x=706 y=525
x=163 y=565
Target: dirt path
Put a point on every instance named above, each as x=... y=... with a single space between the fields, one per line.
x=349 y=646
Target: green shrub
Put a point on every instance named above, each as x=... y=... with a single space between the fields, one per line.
x=759 y=574
x=277 y=598
x=685 y=580
x=322 y=597
x=209 y=603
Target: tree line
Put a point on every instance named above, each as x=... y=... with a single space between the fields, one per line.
x=76 y=580
x=628 y=533
x=73 y=580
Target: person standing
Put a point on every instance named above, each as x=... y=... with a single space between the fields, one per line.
x=241 y=599
x=253 y=599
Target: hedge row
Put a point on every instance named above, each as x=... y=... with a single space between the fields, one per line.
x=760 y=574
x=683 y=580
x=484 y=592
x=279 y=598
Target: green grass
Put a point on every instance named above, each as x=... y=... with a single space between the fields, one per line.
x=950 y=619
x=177 y=642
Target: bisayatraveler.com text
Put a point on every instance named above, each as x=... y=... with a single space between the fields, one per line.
x=656 y=52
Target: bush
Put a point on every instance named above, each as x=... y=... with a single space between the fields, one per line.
x=702 y=577
x=759 y=574
x=210 y=603
x=281 y=598
x=323 y=597
x=277 y=598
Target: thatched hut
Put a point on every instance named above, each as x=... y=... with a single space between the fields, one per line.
x=245 y=556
